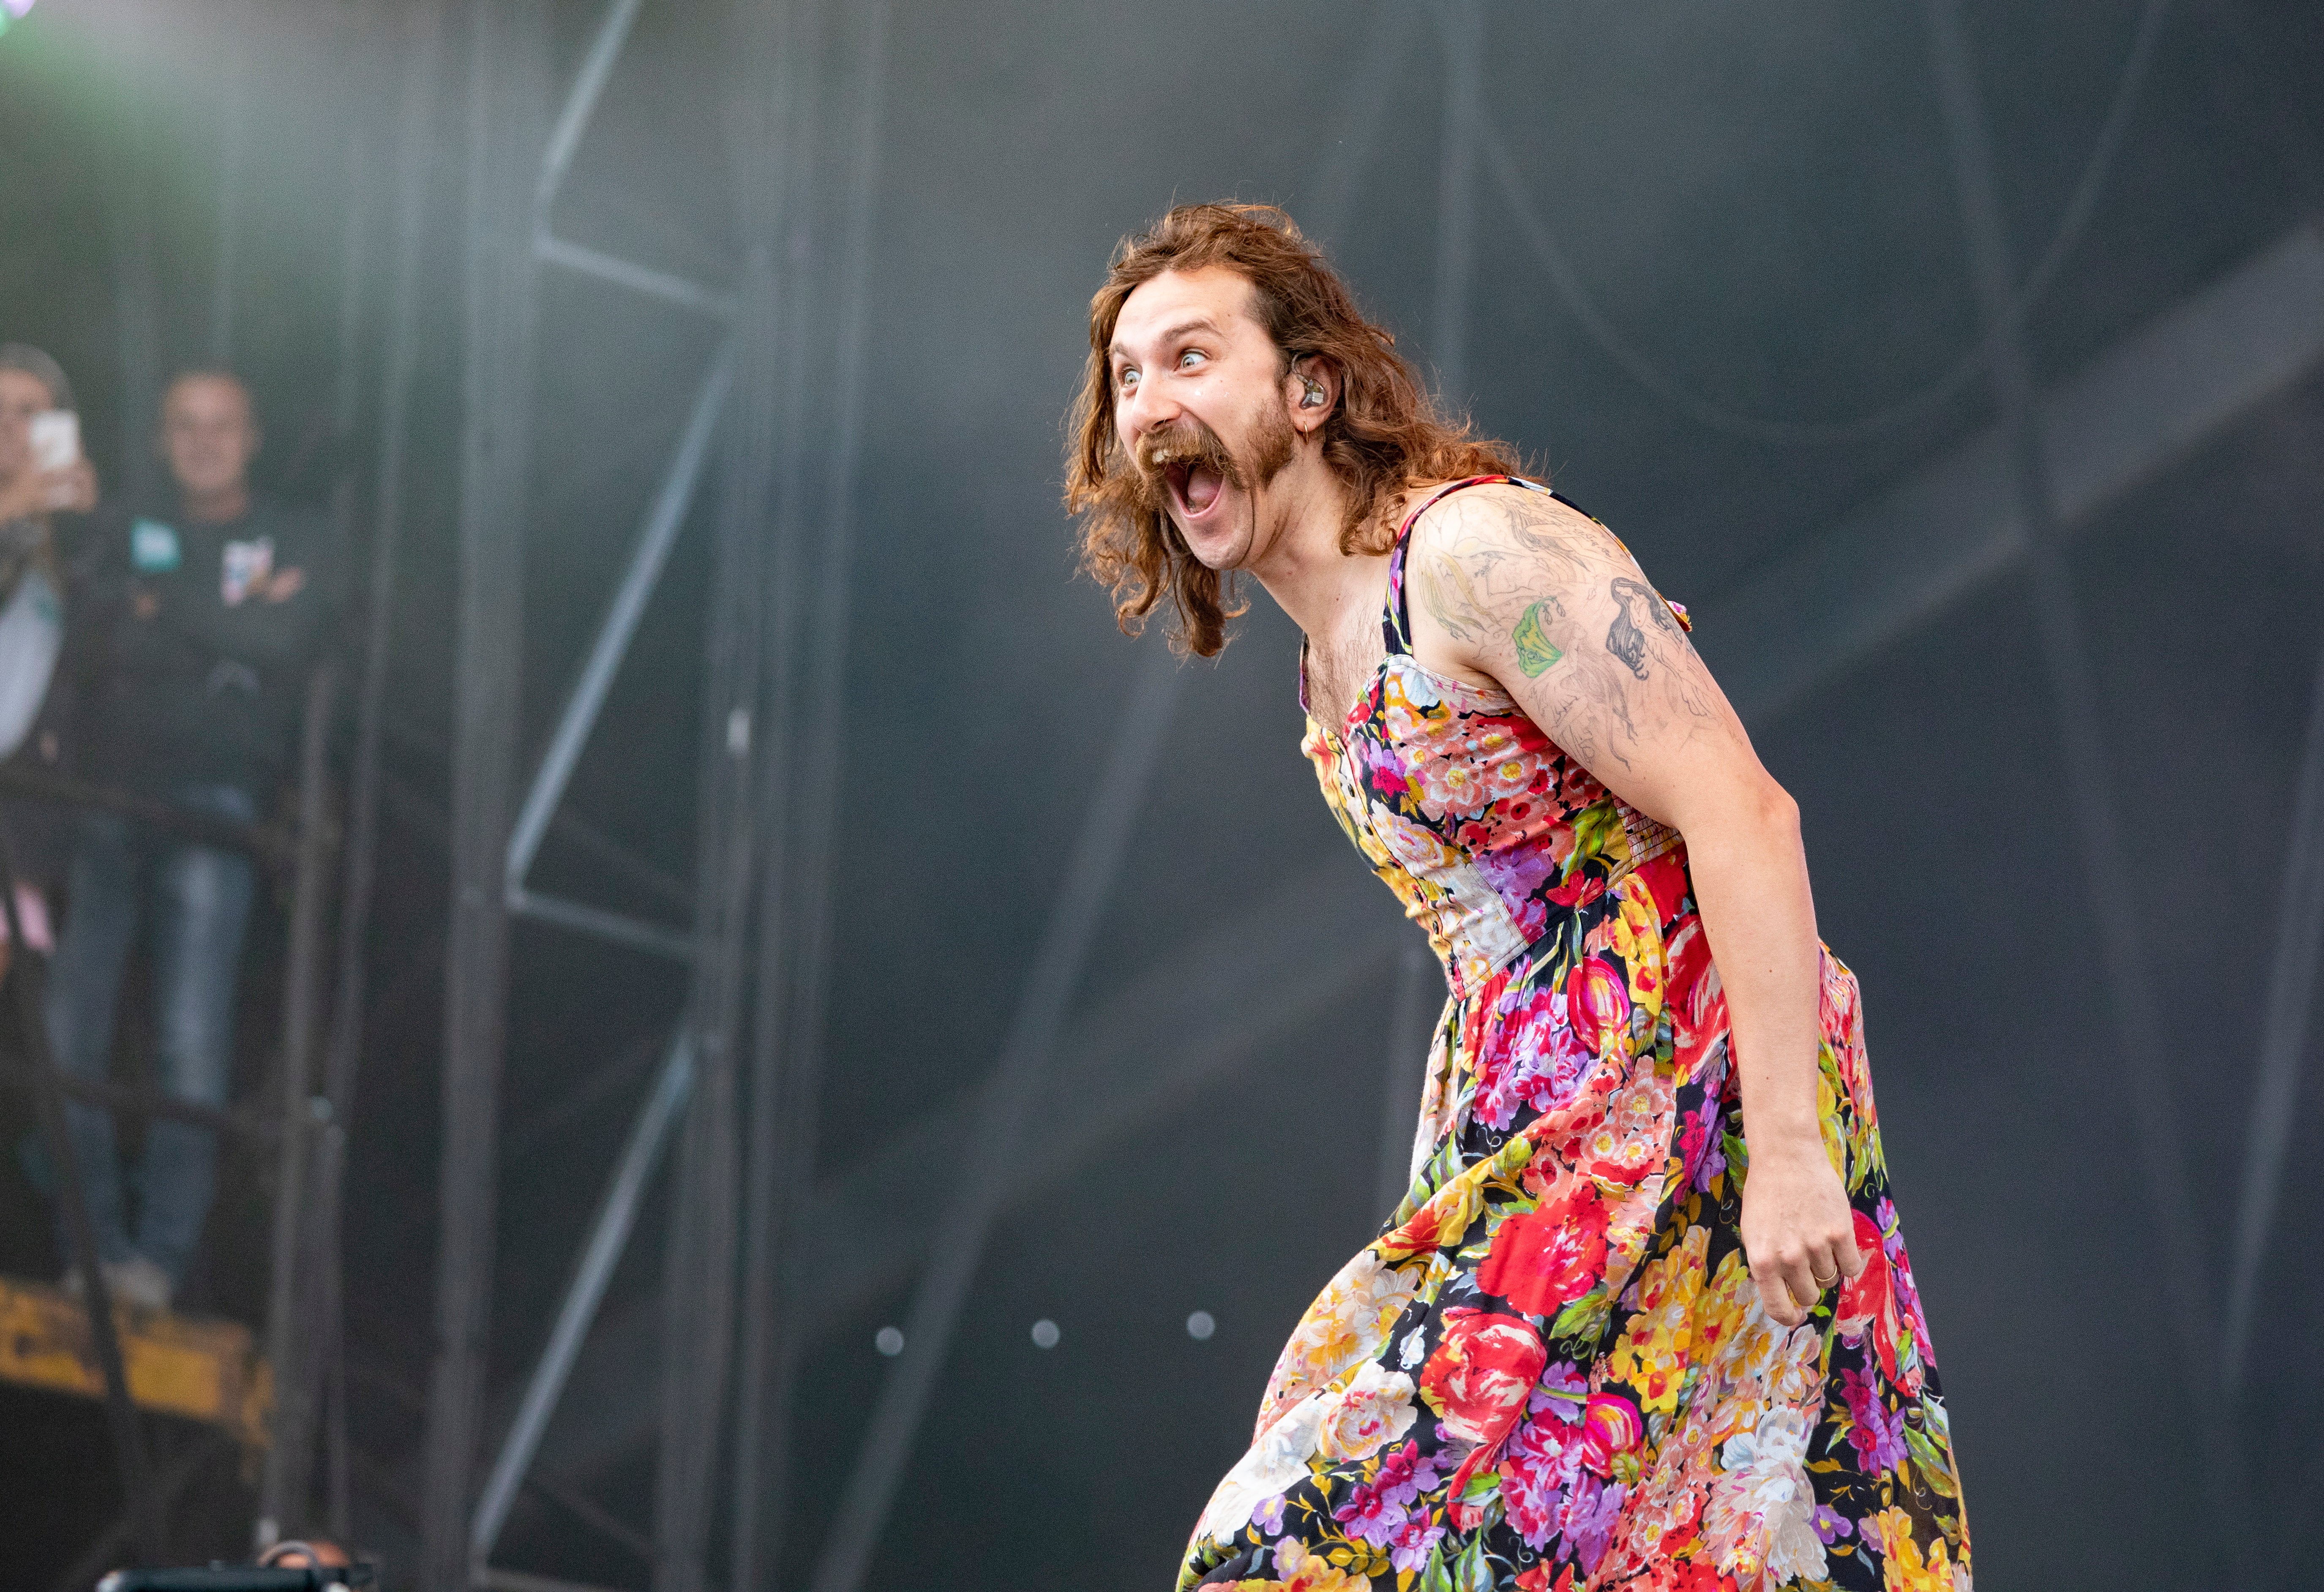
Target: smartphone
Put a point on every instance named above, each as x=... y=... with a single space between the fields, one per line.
x=56 y=439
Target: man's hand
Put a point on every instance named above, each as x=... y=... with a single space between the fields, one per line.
x=72 y=489
x=1798 y=1233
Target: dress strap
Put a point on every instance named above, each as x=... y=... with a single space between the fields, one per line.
x=1395 y=623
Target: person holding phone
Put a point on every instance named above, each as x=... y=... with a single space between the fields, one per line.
x=42 y=477
x=205 y=613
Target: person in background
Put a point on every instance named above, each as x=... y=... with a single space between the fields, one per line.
x=38 y=486
x=211 y=618
x=313 y=1553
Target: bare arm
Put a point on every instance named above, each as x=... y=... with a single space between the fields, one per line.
x=1514 y=585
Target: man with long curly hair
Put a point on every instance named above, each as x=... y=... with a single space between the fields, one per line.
x=1645 y=1316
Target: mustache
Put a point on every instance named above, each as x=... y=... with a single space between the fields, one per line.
x=1184 y=443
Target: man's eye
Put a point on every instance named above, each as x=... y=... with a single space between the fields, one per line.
x=1124 y=381
x=1193 y=356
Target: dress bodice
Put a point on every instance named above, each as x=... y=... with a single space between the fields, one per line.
x=1491 y=833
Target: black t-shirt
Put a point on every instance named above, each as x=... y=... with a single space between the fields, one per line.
x=195 y=644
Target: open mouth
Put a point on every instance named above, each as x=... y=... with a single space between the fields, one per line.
x=1194 y=485
x=1193 y=466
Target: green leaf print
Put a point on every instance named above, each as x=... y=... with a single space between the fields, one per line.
x=1470 y=1572
x=1933 y=1460
x=1585 y=1318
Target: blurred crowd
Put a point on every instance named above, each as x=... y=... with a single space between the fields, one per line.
x=157 y=650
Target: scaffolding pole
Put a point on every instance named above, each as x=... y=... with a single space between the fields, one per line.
x=415 y=148
x=698 y=1277
x=795 y=898
x=508 y=122
x=282 y=1482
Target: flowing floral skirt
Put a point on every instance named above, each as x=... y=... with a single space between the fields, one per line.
x=1552 y=1371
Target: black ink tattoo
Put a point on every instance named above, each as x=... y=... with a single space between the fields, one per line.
x=1623 y=639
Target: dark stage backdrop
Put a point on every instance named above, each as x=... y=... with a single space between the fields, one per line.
x=1690 y=231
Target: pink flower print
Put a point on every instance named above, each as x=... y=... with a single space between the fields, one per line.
x=1598 y=1000
x=1542 y=1459
x=1907 y=1292
x=1405 y=1474
x=1371 y=1516
x=1378 y=1511
x=1611 y=1427
x=1541 y=1062
x=1413 y=1544
x=1591 y=1511
x=1532 y=1493
x=1876 y=1433
x=1700 y=1146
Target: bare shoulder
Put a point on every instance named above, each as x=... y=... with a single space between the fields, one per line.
x=1513 y=585
x=1518 y=520
x=1480 y=559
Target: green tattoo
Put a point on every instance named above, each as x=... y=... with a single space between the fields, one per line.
x=1535 y=651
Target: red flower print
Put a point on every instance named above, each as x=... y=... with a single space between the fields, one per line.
x=1664 y=881
x=1697 y=1005
x=1549 y=1257
x=1580 y=890
x=1481 y=1372
x=1597 y=1002
x=1536 y=1580
x=1869 y=1299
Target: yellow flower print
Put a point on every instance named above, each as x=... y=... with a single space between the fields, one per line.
x=1652 y=1357
x=1443 y=1220
x=1724 y=1310
x=1636 y=936
x=1309 y=1573
x=1907 y=1569
x=1345 y=1324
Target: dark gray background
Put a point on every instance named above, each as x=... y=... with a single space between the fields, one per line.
x=1758 y=197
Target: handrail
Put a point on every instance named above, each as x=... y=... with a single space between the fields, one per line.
x=149 y=1102
x=276 y=845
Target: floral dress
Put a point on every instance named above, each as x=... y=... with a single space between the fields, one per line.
x=1551 y=1371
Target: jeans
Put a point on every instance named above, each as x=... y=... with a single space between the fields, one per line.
x=198 y=898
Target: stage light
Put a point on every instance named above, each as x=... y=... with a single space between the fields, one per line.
x=1045 y=1333
x=12 y=11
x=1201 y=1325
x=888 y=1341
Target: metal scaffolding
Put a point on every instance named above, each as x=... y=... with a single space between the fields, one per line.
x=765 y=788
x=508 y=102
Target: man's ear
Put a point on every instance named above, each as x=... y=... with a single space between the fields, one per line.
x=1311 y=386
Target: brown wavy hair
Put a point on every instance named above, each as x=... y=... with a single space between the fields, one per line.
x=1385 y=435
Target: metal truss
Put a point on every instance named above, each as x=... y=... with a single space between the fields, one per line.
x=461 y=1539
x=749 y=406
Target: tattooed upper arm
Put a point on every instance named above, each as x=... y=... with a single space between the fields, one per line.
x=1548 y=603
